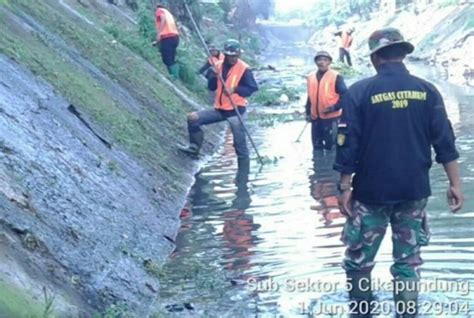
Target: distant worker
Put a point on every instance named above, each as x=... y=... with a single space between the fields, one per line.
x=325 y=88
x=167 y=37
x=389 y=124
x=346 y=42
x=240 y=84
x=208 y=70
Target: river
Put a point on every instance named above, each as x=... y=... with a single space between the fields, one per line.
x=267 y=243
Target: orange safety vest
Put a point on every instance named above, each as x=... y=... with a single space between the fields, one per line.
x=164 y=23
x=234 y=75
x=322 y=94
x=346 y=40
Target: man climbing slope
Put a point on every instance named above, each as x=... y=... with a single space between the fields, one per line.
x=167 y=39
x=346 y=42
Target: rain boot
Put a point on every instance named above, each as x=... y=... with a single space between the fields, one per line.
x=406 y=300
x=174 y=70
x=360 y=295
x=243 y=169
x=195 y=142
x=242 y=199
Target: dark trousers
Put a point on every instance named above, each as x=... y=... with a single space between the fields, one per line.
x=323 y=133
x=211 y=116
x=168 y=49
x=343 y=53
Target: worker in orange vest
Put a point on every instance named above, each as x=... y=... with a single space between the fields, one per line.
x=167 y=36
x=325 y=88
x=208 y=70
x=346 y=42
x=240 y=84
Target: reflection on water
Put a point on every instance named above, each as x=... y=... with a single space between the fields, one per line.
x=323 y=187
x=264 y=242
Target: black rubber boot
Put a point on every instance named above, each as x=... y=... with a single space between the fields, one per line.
x=195 y=142
x=243 y=169
x=360 y=295
x=242 y=199
x=406 y=300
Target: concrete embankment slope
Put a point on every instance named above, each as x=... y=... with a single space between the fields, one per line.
x=90 y=181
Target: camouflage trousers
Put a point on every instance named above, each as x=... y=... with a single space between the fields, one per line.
x=365 y=229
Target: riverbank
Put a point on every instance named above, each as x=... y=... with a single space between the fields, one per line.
x=443 y=35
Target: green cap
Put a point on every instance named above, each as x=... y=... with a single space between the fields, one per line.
x=232 y=47
x=387 y=37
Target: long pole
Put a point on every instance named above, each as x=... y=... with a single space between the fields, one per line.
x=221 y=79
x=302 y=131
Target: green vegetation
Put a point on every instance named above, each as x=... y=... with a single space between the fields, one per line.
x=266 y=160
x=155 y=269
x=265 y=97
x=14 y=303
x=134 y=129
x=268 y=96
x=345 y=70
x=78 y=87
x=113 y=167
x=292 y=92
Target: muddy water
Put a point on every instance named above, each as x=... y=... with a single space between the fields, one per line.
x=266 y=243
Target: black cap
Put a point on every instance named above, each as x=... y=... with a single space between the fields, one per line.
x=323 y=54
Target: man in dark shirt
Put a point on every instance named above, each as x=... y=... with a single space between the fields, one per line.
x=325 y=89
x=389 y=123
x=239 y=84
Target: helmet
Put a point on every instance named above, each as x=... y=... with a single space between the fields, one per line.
x=387 y=37
x=212 y=47
x=323 y=54
x=232 y=47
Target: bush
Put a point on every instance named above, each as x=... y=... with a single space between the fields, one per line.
x=344 y=69
x=146 y=23
x=265 y=97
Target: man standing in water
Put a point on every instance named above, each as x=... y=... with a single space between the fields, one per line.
x=239 y=84
x=325 y=87
x=389 y=124
x=167 y=39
